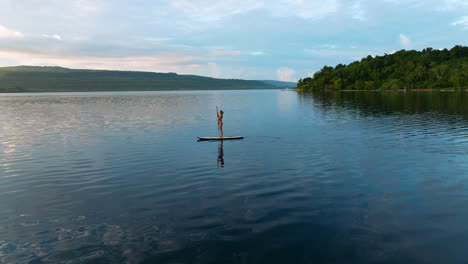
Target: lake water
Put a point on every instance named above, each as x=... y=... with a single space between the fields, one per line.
x=363 y=177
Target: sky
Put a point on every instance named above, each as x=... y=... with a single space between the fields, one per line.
x=244 y=39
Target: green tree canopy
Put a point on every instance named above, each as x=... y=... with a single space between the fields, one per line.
x=405 y=69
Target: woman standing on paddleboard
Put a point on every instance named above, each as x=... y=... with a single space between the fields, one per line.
x=220 y=115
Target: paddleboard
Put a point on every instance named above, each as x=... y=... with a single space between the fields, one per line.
x=218 y=138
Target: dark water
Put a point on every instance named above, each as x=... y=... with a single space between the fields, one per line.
x=319 y=178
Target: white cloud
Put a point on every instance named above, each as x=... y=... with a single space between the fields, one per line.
x=329 y=46
x=311 y=9
x=158 y=40
x=451 y=5
x=257 y=53
x=213 y=70
x=463 y=21
x=405 y=41
x=334 y=53
x=212 y=10
x=358 y=12
x=225 y=53
x=87 y=6
x=54 y=36
x=9 y=33
x=286 y=74
x=435 y=5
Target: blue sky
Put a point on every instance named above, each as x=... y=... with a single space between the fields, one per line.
x=276 y=39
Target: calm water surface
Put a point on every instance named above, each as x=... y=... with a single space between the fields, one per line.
x=319 y=178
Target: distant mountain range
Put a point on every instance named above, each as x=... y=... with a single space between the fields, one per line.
x=58 y=79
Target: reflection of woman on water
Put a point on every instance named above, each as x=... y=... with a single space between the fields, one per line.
x=220 y=115
x=221 y=155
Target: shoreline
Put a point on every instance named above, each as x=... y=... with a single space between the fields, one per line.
x=376 y=90
x=129 y=91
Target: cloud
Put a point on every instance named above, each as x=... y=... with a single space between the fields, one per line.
x=451 y=5
x=358 y=12
x=405 y=41
x=54 y=36
x=213 y=10
x=86 y=7
x=328 y=46
x=306 y=9
x=225 y=53
x=214 y=70
x=10 y=34
x=334 y=53
x=437 y=5
x=160 y=63
x=463 y=21
x=168 y=62
x=256 y=53
x=286 y=74
x=158 y=40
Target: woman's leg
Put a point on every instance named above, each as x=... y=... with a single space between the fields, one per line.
x=221 y=128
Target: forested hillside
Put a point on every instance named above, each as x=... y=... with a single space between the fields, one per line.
x=426 y=69
x=57 y=79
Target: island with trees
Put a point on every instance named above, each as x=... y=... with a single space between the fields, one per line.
x=428 y=69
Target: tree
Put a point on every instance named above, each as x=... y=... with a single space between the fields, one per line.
x=410 y=69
